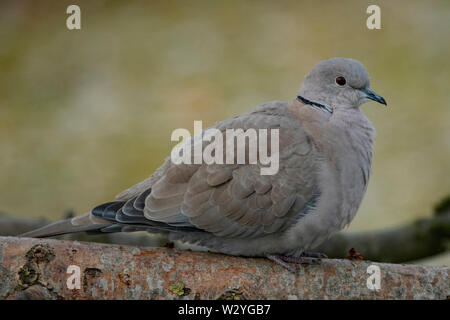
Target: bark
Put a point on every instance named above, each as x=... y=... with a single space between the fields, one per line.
x=37 y=269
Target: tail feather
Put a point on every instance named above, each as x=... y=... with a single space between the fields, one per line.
x=66 y=226
x=93 y=223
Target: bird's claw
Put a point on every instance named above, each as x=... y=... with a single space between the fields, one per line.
x=278 y=259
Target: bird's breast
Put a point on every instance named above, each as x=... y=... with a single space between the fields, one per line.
x=346 y=149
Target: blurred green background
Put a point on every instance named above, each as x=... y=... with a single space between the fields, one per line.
x=85 y=114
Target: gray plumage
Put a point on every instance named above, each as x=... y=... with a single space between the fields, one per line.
x=325 y=157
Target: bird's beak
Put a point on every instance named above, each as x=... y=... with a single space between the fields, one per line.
x=373 y=96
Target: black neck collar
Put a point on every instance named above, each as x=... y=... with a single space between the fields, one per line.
x=315 y=104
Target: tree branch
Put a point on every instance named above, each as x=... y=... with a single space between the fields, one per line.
x=37 y=269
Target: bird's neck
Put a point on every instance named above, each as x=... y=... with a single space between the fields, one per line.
x=345 y=129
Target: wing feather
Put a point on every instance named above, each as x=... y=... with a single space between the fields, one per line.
x=223 y=199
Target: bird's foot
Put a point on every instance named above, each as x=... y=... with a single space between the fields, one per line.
x=298 y=258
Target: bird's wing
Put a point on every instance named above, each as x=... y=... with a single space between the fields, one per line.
x=229 y=200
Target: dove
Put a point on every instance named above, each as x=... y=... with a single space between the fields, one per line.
x=325 y=159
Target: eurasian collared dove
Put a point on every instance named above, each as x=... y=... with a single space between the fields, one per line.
x=325 y=157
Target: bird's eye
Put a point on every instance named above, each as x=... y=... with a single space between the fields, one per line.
x=340 y=81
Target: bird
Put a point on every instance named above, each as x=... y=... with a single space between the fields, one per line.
x=325 y=159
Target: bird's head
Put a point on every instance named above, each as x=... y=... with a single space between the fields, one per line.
x=339 y=83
